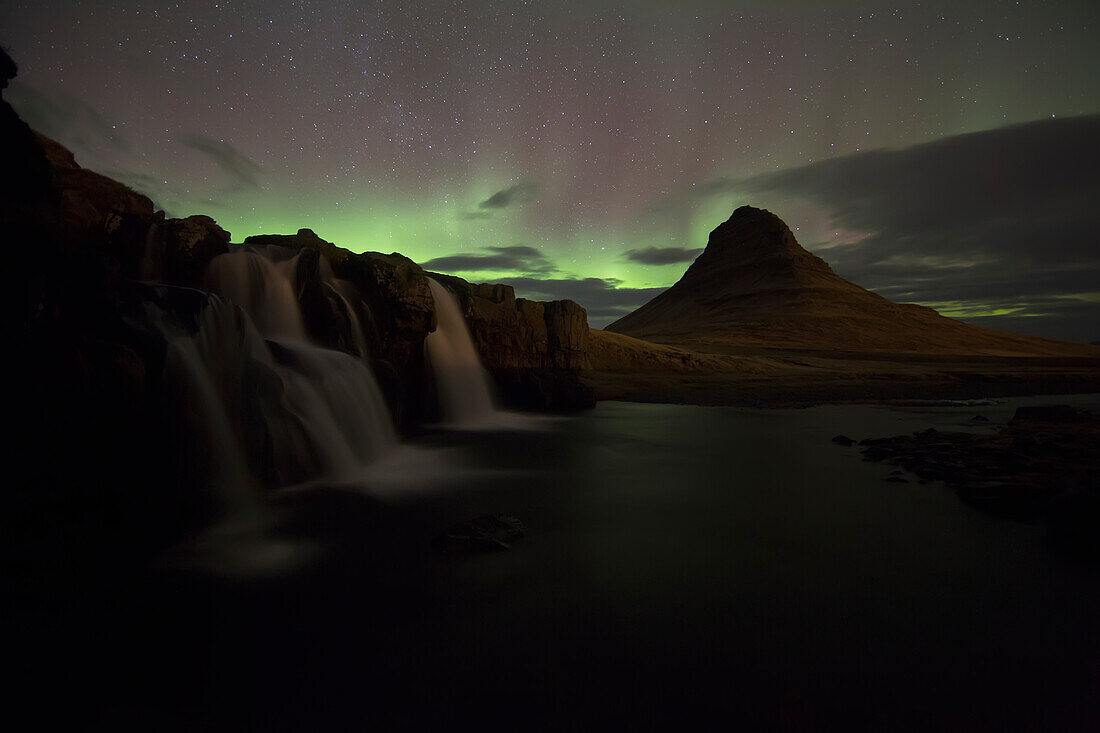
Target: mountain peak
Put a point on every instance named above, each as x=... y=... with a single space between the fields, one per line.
x=750 y=230
x=754 y=249
x=755 y=286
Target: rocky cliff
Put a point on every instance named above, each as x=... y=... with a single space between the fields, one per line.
x=533 y=349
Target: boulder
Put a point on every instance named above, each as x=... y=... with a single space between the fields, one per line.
x=487 y=533
x=186 y=247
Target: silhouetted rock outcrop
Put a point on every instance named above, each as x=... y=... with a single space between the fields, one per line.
x=755 y=286
x=533 y=349
x=1045 y=464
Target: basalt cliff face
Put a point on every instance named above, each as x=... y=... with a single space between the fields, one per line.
x=533 y=349
x=754 y=286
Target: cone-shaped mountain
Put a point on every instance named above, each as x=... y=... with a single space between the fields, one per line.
x=755 y=287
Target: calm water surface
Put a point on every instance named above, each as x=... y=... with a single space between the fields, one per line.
x=683 y=566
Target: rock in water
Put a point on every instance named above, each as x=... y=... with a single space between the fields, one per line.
x=1045 y=413
x=487 y=533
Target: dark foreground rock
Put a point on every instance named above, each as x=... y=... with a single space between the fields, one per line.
x=1044 y=465
x=487 y=533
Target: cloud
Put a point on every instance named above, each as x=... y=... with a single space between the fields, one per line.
x=508 y=196
x=662 y=255
x=475 y=215
x=986 y=218
x=518 y=258
x=227 y=157
x=604 y=298
x=70 y=120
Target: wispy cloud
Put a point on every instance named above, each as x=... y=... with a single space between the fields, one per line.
x=512 y=195
x=228 y=158
x=63 y=117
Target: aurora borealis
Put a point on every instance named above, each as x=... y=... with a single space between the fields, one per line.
x=584 y=150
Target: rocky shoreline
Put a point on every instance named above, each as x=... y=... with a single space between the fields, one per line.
x=1044 y=465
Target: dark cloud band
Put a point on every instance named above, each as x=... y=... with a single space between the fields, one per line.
x=662 y=255
x=508 y=196
x=986 y=218
x=518 y=258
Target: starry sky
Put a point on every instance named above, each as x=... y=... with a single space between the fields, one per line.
x=937 y=152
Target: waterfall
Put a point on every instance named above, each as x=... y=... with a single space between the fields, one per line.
x=264 y=288
x=346 y=291
x=203 y=371
x=151 y=265
x=327 y=417
x=464 y=386
x=339 y=403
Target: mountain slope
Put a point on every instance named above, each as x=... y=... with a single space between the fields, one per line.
x=754 y=286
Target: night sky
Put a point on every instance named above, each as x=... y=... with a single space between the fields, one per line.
x=937 y=152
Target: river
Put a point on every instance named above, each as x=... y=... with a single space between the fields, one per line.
x=683 y=566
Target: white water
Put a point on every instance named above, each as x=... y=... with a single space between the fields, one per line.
x=339 y=404
x=346 y=291
x=465 y=391
x=264 y=288
x=331 y=414
x=204 y=369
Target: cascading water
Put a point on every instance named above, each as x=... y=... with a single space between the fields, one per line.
x=152 y=256
x=264 y=288
x=335 y=397
x=204 y=371
x=465 y=389
x=330 y=414
x=345 y=290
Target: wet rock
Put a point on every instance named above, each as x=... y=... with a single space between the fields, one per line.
x=186 y=248
x=515 y=333
x=1039 y=467
x=533 y=350
x=979 y=418
x=843 y=440
x=1046 y=413
x=487 y=533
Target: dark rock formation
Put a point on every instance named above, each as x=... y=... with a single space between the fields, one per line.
x=514 y=333
x=93 y=203
x=487 y=533
x=1047 y=467
x=1047 y=413
x=755 y=286
x=185 y=248
x=533 y=350
x=843 y=440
